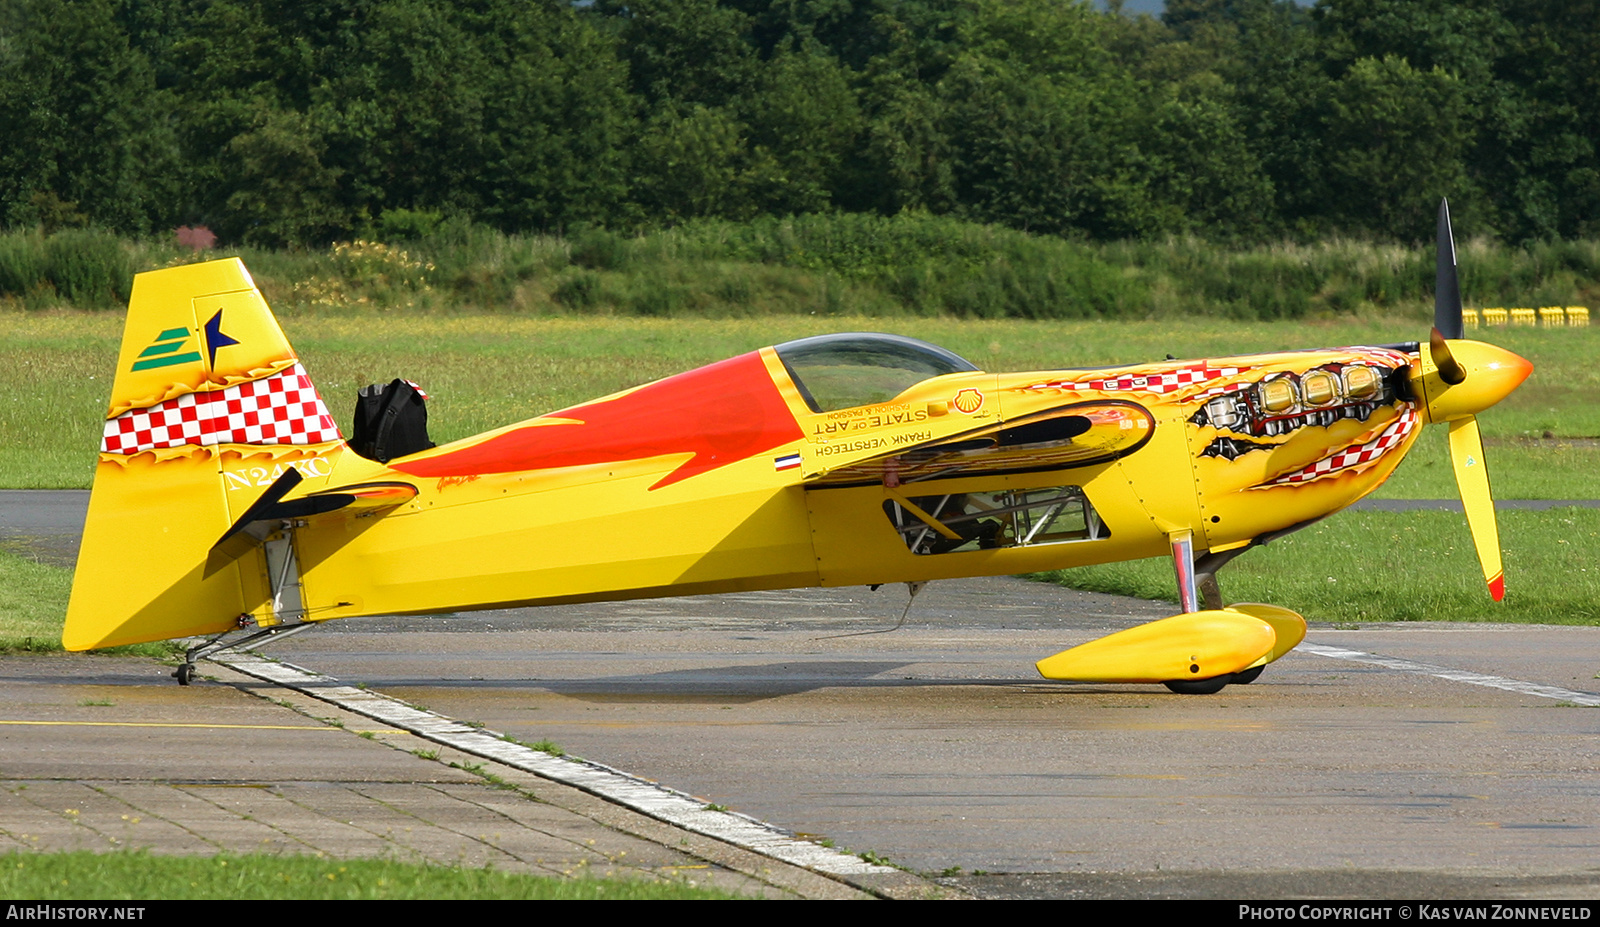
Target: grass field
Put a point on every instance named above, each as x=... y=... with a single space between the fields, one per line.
x=135 y=876
x=33 y=608
x=33 y=604
x=488 y=370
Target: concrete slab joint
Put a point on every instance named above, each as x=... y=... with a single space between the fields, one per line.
x=649 y=798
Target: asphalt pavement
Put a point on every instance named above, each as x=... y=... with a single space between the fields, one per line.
x=1421 y=760
x=106 y=753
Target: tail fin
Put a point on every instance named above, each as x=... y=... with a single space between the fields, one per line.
x=209 y=408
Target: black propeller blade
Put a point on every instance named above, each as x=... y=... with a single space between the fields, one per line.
x=1447 y=289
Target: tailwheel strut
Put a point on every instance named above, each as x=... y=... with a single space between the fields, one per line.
x=250 y=640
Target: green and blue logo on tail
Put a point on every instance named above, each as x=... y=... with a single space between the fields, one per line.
x=170 y=347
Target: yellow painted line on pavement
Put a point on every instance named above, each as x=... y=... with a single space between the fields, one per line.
x=242 y=727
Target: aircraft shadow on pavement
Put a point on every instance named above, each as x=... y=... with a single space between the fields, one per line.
x=735 y=683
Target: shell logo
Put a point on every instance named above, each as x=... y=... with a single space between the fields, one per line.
x=968 y=400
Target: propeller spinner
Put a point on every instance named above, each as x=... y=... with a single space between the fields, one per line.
x=1456 y=380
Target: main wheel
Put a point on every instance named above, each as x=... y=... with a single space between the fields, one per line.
x=184 y=673
x=1245 y=677
x=1198 y=686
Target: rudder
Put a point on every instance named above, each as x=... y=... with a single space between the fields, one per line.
x=209 y=405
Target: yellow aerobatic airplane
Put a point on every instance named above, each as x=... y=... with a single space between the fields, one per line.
x=227 y=502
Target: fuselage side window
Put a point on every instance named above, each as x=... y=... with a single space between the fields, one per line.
x=966 y=521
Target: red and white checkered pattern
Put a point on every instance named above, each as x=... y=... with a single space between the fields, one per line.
x=1168 y=382
x=1386 y=440
x=281 y=409
x=1222 y=390
x=1380 y=357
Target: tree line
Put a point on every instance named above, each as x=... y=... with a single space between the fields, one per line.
x=281 y=123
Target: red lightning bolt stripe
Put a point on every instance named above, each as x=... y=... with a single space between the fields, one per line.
x=721 y=414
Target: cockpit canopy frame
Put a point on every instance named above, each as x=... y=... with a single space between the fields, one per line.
x=850 y=369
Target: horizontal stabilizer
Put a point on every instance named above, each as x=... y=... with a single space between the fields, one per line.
x=271 y=508
x=235 y=543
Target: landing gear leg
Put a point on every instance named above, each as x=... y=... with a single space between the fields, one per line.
x=1205 y=570
x=1205 y=573
x=1197 y=586
x=1183 y=563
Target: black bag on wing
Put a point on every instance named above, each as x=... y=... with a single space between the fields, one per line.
x=391 y=421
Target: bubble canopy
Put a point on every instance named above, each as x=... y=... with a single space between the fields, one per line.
x=859 y=368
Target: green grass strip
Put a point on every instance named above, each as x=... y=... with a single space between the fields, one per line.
x=33 y=610
x=140 y=876
x=33 y=604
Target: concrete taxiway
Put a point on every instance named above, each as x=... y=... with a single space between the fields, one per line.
x=107 y=753
x=1425 y=760
x=932 y=746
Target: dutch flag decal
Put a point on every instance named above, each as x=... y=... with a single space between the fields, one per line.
x=786 y=462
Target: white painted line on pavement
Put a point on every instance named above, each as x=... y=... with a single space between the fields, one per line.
x=650 y=798
x=1454 y=675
